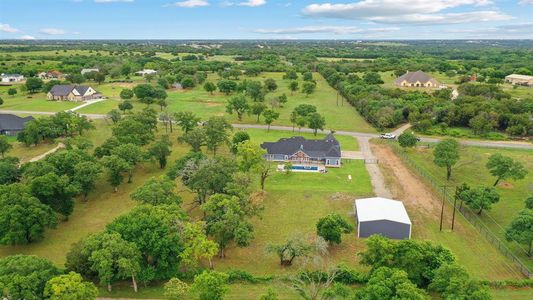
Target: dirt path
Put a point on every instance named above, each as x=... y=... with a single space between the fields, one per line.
x=41 y=156
x=406 y=186
x=376 y=177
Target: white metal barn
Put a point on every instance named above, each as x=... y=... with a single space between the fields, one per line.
x=382 y=216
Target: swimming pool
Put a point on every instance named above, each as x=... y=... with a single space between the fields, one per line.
x=306 y=168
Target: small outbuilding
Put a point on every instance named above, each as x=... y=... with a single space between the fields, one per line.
x=382 y=216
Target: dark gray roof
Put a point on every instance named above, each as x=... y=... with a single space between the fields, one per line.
x=65 y=89
x=413 y=77
x=12 y=122
x=327 y=147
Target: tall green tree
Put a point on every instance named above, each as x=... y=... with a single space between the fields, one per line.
x=331 y=228
x=293 y=86
x=407 y=140
x=217 y=131
x=387 y=283
x=196 y=138
x=270 y=116
x=308 y=88
x=238 y=137
x=116 y=167
x=453 y=282
x=237 y=104
x=521 y=230
x=210 y=87
x=23 y=218
x=70 y=287
x=25 y=276
x=504 y=167
x=85 y=174
x=196 y=245
x=5 y=146
x=226 y=221
x=186 y=120
x=211 y=285
x=153 y=230
x=56 y=191
x=33 y=84
x=481 y=198
x=446 y=154
x=161 y=150
x=257 y=108
x=316 y=121
x=156 y=191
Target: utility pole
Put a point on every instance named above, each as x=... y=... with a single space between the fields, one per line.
x=442 y=207
x=454 y=206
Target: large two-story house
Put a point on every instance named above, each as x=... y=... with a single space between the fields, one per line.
x=297 y=149
x=70 y=92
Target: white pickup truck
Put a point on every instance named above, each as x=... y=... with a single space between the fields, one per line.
x=387 y=136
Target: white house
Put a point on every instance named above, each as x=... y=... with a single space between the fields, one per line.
x=519 y=79
x=12 y=77
x=84 y=71
x=146 y=72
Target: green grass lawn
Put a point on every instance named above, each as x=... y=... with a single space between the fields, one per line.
x=32 y=102
x=205 y=105
x=262 y=135
x=471 y=169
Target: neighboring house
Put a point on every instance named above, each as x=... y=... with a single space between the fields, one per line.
x=11 y=124
x=300 y=150
x=51 y=75
x=12 y=77
x=416 y=79
x=85 y=71
x=519 y=79
x=382 y=216
x=146 y=72
x=71 y=92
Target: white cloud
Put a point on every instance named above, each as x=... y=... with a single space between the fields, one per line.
x=406 y=11
x=7 y=28
x=52 y=31
x=253 y=3
x=110 y=1
x=337 y=30
x=26 y=37
x=517 y=30
x=526 y=2
x=191 y=3
x=438 y=19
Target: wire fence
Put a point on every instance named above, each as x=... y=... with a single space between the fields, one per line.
x=470 y=216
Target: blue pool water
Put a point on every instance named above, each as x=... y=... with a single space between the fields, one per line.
x=310 y=168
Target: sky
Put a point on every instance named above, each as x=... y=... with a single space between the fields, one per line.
x=266 y=19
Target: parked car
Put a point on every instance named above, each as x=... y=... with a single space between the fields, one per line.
x=388 y=136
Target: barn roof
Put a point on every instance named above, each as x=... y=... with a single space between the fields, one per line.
x=377 y=208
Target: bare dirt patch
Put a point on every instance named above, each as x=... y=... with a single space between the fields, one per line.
x=403 y=184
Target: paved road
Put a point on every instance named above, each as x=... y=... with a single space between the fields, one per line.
x=480 y=143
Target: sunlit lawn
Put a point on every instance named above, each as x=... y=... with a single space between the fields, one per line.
x=205 y=105
x=471 y=169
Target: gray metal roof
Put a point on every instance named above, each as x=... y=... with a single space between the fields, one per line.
x=327 y=147
x=65 y=89
x=12 y=122
x=413 y=77
x=377 y=208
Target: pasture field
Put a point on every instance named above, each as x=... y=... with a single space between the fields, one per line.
x=205 y=105
x=471 y=170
